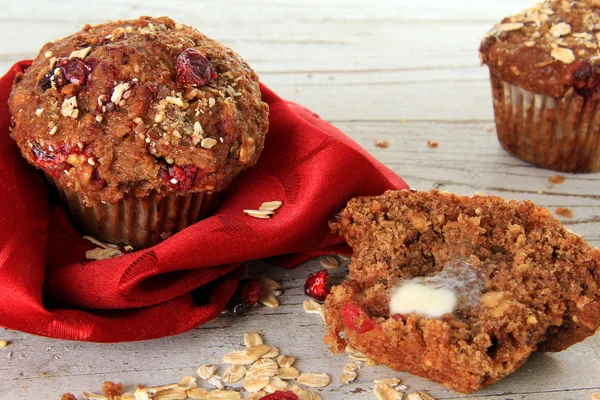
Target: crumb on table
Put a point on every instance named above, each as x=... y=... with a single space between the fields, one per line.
x=564 y=212
x=432 y=144
x=556 y=179
x=384 y=144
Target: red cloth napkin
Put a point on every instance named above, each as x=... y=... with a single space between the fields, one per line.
x=49 y=289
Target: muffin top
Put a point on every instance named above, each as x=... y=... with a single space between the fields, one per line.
x=551 y=48
x=130 y=107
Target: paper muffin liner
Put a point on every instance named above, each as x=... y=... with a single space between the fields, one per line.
x=138 y=221
x=554 y=133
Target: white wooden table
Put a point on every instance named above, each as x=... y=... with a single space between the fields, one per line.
x=388 y=70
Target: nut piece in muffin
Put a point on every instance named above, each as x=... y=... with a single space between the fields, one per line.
x=545 y=71
x=138 y=112
x=519 y=280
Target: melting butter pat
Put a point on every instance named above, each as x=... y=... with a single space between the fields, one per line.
x=417 y=298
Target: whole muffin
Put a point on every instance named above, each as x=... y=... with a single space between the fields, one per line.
x=545 y=70
x=138 y=124
x=520 y=280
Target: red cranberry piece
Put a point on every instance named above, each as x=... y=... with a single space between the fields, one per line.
x=179 y=178
x=281 y=395
x=75 y=70
x=53 y=162
x=356 y=319
x=245 y=297
x=398 y=317
x=193 y=68
x=316 y=285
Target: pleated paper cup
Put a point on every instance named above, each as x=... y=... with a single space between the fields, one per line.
x=561 y=134
x=138 y=221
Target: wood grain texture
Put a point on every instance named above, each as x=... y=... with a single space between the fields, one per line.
x=388 y=70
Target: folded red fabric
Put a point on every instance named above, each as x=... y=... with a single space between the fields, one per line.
x=49 y=289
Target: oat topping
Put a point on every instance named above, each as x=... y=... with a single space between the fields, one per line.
x=81 y=53
x=69 y=108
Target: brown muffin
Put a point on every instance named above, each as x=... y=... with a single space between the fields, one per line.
x=545 y=72
x=145 y=118
x=536 y=285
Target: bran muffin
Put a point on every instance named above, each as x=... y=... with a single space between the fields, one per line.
x=138 y=124
x=545 y=69
x=528 y=284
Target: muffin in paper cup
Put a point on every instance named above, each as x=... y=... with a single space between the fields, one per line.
x=139 y=125
x=545 y=71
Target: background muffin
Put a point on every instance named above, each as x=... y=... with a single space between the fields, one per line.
x=138 y=123
x=544 y=70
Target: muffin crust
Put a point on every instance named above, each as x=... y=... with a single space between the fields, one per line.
x=132 y=107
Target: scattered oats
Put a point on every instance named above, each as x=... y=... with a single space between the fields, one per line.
x=556 y=179
x=262 y=367
x=178 y=26
x=215 y=380
x=174 y=100
x=188 y=382
x=270 y=285
x=353 y=366
x=329 y=262
x=81 y=53
x=510 y=26
x=272 y=353
x=563 y=55
x=304 y=394
x=401 y=388
x=211 y=102
x=208 y=143
x=540 y=191
x=252 y=339
x=384 y=144
x=233 y=373
x=224 y=394
x=118 y=91
x=560 y=29
x=69 y=108
x=247 y=356
x=198 y=128
x=255 y=213
x=9 y=355
x=169 y=160
x=101 y=254
x=3 y=344
x=198 y=394
x=99 y=118
x=490 y=129
x=39 y=112
x=91 y=161
x=529 y=43
x=386 y=392
x=140 y=394
x=260 y=216
x=393 y=382
x=275 y=384
x=269 y=299
x=419 y=396
x=314 y=380
x=312 y=307
x=207 y=371
x=254 y=384
x=271 y=205
x=564 y=212
x=432 y=144
x=174 y=181
x=288 y=373
x=170 y=394
x=348 y=377
x=159 y=117
x=285 y=361
x=48 y=54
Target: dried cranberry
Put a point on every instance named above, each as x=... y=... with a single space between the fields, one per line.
x=356 y=319
x=245 y=297
x=179 y=178
x=316 y=285
x=585 y=76
x=193 y=68
x=75 y=70
x=398 y=317
x=45 y=82
x=53 y=162
x=281 y=395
